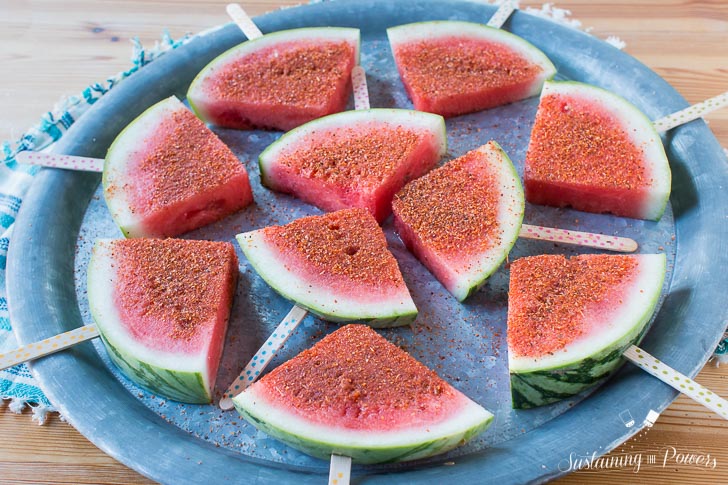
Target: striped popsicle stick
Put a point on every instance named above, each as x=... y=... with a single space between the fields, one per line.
x=691 y=112
x=501 y=15
x=359 y=85
x=265 y=354
x=339 y=470
x=243 y=21
x=69 y=162
x=587 y=239
x=677 y=380
x=47 y=346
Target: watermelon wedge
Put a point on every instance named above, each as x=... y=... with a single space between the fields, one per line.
x=278 y=81
x=336 y=265
x=167 y=174
x=452 y=68
x=570 y=320
x=162 y=309
x=355 y=159
x=594 y=151
x=357 y=395
x=462 y=219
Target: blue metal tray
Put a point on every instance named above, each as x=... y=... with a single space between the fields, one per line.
x=465 y=343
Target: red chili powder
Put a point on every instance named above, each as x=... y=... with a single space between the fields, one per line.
x=294 y=73
x=356 y=379
x=460 y=66
x=454 y=208
x=172 y=287
x=573 y=141
x=187 y=160
x=549 y=296
x=352 y=158
x=347 y=245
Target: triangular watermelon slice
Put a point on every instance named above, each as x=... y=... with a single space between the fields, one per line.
x=594 y=151
x=167 y=174
x=279 y=81
x=162 y=308
x=570 y=320
x=357 y=395
x=336 y=265
x=355 y=159
x=452 y=67
x=462 y=219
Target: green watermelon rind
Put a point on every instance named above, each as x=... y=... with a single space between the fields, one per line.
x=433 y=123
x=629 y=113
x=551 y=383
x=431 y=30
x=115 y=163
x=412 y=445
x=180 y=385
x=335 y=308
x=250 y=46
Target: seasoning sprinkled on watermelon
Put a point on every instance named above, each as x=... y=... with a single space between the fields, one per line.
x=462 y=219
x=356 y=394
x=569 y=320
x=593 y=151
x=354 y=159
x=336 y=265
x=452 y=68
x=167 y=174
x=278 y=81
x=162 y=308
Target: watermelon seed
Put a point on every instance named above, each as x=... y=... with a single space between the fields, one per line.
x=351 y=250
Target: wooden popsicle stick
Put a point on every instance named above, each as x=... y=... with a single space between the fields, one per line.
x=501 y=15
x=263 y=356
x=359 y=86
x=339 y=470
x=48 y=346
x=54 y=160
x=243 y=21
x=691 y=112
x=677 y=380
x=579 y=238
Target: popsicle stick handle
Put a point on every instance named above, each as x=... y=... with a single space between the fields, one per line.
x=262 y=358
x=339 y=470
x=69 y=162
x=679 y=381
x=691 y=112
x=243 y=21
x=359 y=85
x=50 y=345
x=579 y=238
x=501 y=15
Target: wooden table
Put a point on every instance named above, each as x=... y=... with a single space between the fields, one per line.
x=50 y=48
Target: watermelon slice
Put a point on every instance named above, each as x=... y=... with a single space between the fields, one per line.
x=356 y=394
x=592 y=150
x=162 y=308
x=462 y=219
x=452 y=68
x=570 y=320
x=355 y=159
x=336 y=265
x=167 y=174
x=279 y=81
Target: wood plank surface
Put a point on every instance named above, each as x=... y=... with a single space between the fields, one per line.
x=50 y=48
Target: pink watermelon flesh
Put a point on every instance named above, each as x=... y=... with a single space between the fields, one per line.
x=181 y=178
x=175 y=295
x=356 y=380
x=281 y=87
x=554 y=301
x=580 y=155
x=451 y=76
x=354 y=167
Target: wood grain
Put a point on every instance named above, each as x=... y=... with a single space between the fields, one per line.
x=51 y=48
